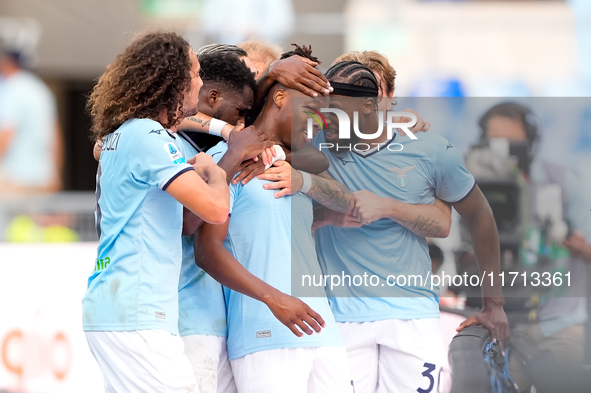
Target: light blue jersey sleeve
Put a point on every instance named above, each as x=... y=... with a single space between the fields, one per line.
x=453 y=182
x=216 y=153
x=166 y=161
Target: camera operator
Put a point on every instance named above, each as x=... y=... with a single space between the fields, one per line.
x=548 y=345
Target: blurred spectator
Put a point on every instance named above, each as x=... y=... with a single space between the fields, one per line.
x=261 y=53
x=549 y=347
x=31 y=147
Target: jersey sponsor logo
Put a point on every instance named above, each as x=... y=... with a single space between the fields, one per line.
x=102 y=263
x=401 y=175
x=174 y=153
x=160 y=315
x=264 y=334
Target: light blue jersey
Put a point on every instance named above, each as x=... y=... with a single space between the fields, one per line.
x=134 y=284
x=260 y=237
x=202 y=307
x=411 y=171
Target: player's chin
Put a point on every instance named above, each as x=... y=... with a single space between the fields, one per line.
x=300 y=140
x=331 y=135
x=190 y=111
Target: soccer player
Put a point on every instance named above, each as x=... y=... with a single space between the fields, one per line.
x=386 y=76
x=227 y=94
x=393 y=338
x=292 y=70
x=265 y=355
x=296 y=72
x=233 y=49
x=261 y=53
x=130 y=309
x=383 y=71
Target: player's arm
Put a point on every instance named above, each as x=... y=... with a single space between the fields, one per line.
x=423 y=220
x=485 y=241
x=325 y=190
x=243 y=145
x=203 y=123
x=454 y=184
x=97 y=149
x=322 y=188
x=295 y=72
x=218 y=262
x=420 y=126
x=307 y=159
x=203 y=191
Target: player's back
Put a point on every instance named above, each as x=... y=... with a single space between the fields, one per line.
x=202 y=307
x=135 y=280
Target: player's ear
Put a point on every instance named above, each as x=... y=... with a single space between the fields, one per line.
x=213 y=98
x=370 y=105
x=281 y=98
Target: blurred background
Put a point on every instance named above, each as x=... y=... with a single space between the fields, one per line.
x=513 y=49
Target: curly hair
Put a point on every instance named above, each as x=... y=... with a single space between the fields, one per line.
x=261 y=51
x=301 y=51
x=150 y=76
x=227 y=70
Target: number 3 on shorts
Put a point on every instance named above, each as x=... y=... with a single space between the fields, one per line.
x=427 y=374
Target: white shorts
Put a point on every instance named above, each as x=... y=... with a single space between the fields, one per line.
x=209 y=356
x=395 y=355
x=294 y=370
x=150 y=361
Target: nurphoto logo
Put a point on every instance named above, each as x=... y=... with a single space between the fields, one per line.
x=393 y=121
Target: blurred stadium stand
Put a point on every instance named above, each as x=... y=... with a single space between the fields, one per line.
x=62 y=217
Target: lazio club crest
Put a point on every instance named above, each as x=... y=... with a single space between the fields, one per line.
x=401 y=175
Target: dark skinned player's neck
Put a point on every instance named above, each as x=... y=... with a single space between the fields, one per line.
x=269 y=123
x=371 y=126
